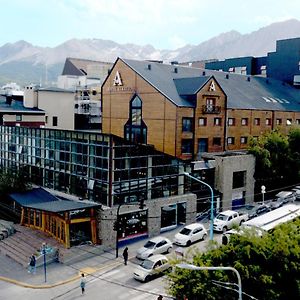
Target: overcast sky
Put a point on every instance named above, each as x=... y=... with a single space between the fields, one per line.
x=165 y=24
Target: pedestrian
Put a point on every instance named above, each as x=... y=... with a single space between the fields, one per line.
x=160 y=297
x=32 y=264
x=125 y=255
x=82 y=283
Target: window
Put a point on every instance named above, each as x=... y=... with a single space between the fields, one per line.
x=298 y=121
x=289 y=122
x=135 y=129
x=230 y=140
x=18 y=118
x=187 y=124
x=244 y=121
x=54 y=121
x=299 y=65
x=268 y=121
x=278 y=121
x=244 y=140
x=263 y=70
x=257 y=121
x=186 y=146
x=202 y=121
x=210 y=104
x=46 y=119
x=217 y=121
x=238 y=179
x=217 y=141
x=231 y=121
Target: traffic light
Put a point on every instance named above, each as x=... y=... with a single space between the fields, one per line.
x=142 y=204
x=115 y=226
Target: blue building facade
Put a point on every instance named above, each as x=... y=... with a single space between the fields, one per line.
x=283 y=64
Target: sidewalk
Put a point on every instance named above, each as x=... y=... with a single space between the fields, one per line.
x=56 y=273
x=59 y=274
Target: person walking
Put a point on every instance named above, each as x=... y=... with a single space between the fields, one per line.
x=160 y=297
x=82 y=283
x=125 y=255
x=32 y=264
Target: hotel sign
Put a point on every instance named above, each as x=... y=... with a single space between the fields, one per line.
x=118 y=85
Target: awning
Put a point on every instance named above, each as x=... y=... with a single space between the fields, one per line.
x=204 y=165
x=40 y=199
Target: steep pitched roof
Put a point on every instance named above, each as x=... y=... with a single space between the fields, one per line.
x=243 y=92
x=78 y=67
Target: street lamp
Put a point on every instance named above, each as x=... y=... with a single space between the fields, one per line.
x=196 y=268
x=211 y=230
x=44 y=253
x=263 y=191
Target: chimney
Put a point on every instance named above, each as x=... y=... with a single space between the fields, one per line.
x=149 y=67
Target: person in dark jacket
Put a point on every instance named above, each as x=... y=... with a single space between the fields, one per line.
x=125 y=255
x=32 y=264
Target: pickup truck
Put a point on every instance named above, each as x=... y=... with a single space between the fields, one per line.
x=227 y=219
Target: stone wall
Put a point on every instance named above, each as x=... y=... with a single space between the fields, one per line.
x=107 y=217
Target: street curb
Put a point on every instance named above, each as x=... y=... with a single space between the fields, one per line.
x=87 y=271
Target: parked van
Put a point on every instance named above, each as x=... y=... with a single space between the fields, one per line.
x=286 y=196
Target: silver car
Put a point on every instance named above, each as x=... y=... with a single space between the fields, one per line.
x=156 y=245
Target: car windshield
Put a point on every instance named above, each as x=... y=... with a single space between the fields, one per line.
x=185 y=231
x=147 y=264
x=149 y=245
x=221 y=217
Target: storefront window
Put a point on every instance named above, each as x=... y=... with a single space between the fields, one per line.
x=173 y=215
x=132 y=224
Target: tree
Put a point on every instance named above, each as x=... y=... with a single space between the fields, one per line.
x=269 y=267
x=275 y=156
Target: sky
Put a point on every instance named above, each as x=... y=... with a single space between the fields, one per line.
x=164 y=24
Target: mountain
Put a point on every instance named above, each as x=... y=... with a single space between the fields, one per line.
x=25 y=63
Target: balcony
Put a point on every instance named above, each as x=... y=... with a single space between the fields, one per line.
x=211 y=109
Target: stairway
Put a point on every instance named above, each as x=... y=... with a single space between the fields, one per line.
x=25 y=242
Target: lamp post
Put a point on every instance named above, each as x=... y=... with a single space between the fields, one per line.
x=196 y=268
x=44 y=253
x=263 y=191
x=211 y=228
x=117 y=229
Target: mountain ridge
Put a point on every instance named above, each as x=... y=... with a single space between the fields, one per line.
x=39 y=60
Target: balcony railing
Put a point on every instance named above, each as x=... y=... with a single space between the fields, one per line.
x=211 y=109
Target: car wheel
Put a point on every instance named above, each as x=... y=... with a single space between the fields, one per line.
x=169 y=249
x=147 y=278
x=188 y=243
x=241 y=222
x=204 y=236
x=224 y=229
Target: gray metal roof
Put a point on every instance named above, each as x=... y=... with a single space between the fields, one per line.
x=40 y=199
x=256 y=93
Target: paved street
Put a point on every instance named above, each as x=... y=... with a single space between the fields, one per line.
x=109 y=278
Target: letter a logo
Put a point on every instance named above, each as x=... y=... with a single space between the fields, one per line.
x=212 y=87
x=117 y=79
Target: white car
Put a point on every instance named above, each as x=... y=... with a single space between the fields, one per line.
x=190 y=234
x=153 y=266
x=156 y=245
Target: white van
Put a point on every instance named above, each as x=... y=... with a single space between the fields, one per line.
x=286 y=196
